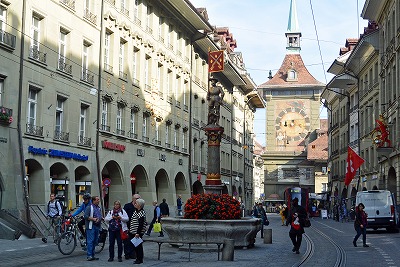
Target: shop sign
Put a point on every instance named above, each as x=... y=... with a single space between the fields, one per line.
x=57 y=153
x=113 y=146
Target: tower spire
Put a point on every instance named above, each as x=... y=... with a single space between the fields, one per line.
x=293 y=33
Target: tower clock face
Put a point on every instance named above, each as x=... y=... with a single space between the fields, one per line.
x=293 y=123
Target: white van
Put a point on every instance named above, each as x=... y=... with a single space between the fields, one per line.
x=380 y=205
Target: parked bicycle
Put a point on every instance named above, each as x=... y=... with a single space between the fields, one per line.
x=68 y=241
x=55 y=228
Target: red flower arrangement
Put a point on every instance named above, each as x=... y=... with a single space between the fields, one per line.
x=212 y=207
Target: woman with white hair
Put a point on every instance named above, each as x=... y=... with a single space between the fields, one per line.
x=138 y=228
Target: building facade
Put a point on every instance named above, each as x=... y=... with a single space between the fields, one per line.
x=112 y=100
x=292 y=118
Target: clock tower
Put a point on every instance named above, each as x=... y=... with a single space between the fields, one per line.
x=292 y=117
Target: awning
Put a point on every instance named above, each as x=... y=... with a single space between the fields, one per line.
x=342 y=81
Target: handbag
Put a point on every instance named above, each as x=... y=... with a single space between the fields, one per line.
x=266 y=222
x=124 y=234
x=307 y=222
x=157 y=227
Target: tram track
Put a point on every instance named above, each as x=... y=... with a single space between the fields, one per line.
x=310 y=250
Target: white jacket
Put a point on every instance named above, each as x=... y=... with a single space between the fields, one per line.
x=124 y=218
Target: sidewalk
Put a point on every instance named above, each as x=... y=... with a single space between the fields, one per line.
x=170 y=256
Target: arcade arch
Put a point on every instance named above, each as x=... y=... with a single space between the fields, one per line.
x=112 y=183
x=37 y=182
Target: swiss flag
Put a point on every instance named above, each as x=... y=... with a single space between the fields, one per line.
x=354 y=162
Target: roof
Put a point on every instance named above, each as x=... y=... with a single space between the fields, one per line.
x=292 y=62
x=318 y=149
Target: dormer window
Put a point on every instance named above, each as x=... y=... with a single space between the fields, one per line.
x=291 y=76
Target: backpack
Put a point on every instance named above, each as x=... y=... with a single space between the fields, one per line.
x=114 y=225
x=61 y=205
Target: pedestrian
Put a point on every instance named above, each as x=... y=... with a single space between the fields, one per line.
x=138 y=228
x=156 y=219
x=263 y=215
x=179 y=205
x=129 y=249
x=54 y=212
x=116 y=219
x=86 y=202
x=296 y=218
x=93 y=220
x=283 y=212
x=164 y=209
x=360 y=225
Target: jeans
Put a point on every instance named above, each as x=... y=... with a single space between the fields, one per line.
x=361 y=231
x=115 y=235
x=92 y=239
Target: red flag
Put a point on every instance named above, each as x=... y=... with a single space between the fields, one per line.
x=354 y=162
x=216 y=61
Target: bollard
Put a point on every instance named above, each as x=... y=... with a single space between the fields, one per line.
x=228 y=249
x=268 y=236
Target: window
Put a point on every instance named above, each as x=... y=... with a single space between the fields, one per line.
x=3 y=20
x=185 y=85
x=148 y=19
x=146 y=71
x=184 y=139
x=121 y=60
x=136 y=9
x=119 y=119
x=157 y=131
x=145 y=125
x=82 y=121
x=168 y=83
x=292 y=75
x=85 y=61
x=124 y=10
x=159 y=80
x=1 y=91
x=32 y=106
x=133 y=119
x=107 y=47
x=59 y=114
x=160 y=29
x=35 y=35
x=176 y=136
x=177 y=87
x=104 y=115
x=134 y=64
x=62 y=46
x=167 y=134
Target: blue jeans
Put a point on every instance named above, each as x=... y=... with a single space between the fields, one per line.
x=115 y=235
x=92 y=239
x=361 y=231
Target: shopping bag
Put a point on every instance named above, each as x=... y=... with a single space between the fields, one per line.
x=157 y=227
x=124 y=234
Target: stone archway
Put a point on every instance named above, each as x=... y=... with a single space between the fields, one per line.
x=60 y=180
x=139 y=180
x=83 y=184
x=163 y=189
x=392 y=181
x=112 y=173
x=37 y=182
x=198 y=188
x=181 y=187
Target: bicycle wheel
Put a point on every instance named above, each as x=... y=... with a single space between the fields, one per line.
x=67 y=243
x=102 y=241
x=56 y=233
x=99 y=247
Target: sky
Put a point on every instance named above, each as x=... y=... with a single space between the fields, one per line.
x=259 y=28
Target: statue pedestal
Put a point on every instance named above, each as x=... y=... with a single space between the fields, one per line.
x=213 y=182
x=213 y=189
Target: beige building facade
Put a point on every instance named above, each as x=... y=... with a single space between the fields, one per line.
x=112 y=100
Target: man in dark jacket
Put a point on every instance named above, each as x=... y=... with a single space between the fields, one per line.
x=164 y=209
x=296 y=218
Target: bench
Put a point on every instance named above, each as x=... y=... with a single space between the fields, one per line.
x=190 y=243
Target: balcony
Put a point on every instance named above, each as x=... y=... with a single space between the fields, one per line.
x=171 y=47
x=178 y=103
x=61 y=136
x=35 y=54
x=85 y=141
x=7 y=39
x=68 y=3
x=64 y=67
x=161 y=39
x=184 y=150
x=120 y=132
x=105 y=128
x=157 y=142
x=138 y=21
x=176 y=148
x=167 y=145
x=125 y=11
x=147 y=88
x=169 y=99
x=195 y=122
x=34 y=130
x=135 y=82
x=123 y=75
x=133 y=135
x=87 y=77
x=145 y=139
x=195 y=168
x=90 y=16
x=112 y=2
x=185 y=107
x=108 y=68
x=149 y=30
x=202 y=169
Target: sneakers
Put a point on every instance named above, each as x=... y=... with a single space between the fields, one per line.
x=161 y=236
x=92 y=259
x=110 y=260
x=294 y=249
x=354 y=243
x=365 y=246
x=147 y=234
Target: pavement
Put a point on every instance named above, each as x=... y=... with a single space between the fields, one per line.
x=260 y=254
